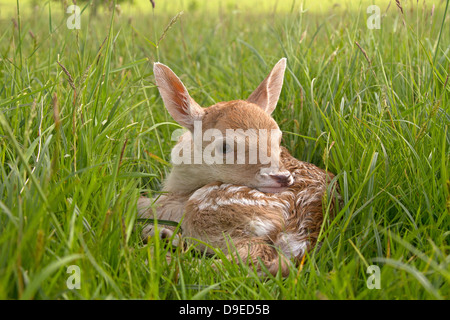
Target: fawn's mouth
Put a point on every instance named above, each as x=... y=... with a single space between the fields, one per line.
x=281 y=183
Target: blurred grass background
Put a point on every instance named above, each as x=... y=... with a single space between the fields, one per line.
x=83 y=132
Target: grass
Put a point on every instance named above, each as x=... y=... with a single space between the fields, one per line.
x=83 y=132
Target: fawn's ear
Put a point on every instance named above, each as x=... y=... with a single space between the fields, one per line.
x=177 y=100
x=268 y=92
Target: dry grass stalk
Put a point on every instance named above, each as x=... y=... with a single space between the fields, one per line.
x=303 y=36
x=69 y=76
x=364 y=53
x=84 y=76
x=171 y=23
x=366 y=56
x=397 y=2
x=446 y=80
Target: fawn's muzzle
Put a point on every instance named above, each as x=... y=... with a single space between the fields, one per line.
x=275 y=181
x=284 y=179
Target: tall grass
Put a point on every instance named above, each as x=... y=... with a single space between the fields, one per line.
x=83 y=132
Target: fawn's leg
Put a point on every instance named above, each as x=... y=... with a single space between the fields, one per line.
x=256 y=251
x=166 y=207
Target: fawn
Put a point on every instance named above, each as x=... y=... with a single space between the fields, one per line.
x=222 y=191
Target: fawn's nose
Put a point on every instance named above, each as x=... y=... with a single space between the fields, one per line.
x=285 y=178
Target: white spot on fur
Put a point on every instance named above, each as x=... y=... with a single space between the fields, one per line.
x=261 y=227
x=258 y=194
x=292 y=247
x=242 y=202
x=235 y=189
x=215 y=203
x=304 y=201
x=279 y=204
x=207 y=205
x=254 y=198
x=202 y=193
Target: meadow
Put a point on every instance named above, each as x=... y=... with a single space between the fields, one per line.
x=84 y=133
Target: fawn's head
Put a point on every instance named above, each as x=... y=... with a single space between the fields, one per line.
x=234 y=142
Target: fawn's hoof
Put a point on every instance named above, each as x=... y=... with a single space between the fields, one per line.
x=165 y=234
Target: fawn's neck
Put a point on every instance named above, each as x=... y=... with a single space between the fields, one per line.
x=185 y=179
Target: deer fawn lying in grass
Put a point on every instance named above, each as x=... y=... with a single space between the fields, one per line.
x=231 y=179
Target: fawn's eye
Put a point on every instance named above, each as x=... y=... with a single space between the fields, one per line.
x=225 y=148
